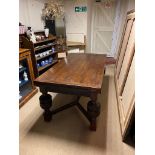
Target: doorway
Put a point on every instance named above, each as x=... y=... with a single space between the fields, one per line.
x=102 y=28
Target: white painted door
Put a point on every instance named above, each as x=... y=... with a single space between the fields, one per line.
x=102 y=28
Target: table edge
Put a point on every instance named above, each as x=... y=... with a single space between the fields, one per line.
x=44 y=84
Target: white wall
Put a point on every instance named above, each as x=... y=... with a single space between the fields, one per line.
x=76 y=22
x=23 y=12
x=30 y=13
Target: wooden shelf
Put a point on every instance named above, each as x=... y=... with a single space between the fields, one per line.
x=46 y=56
x=45 y=40
x=43 y=67
x=40 y=47
x=37 y=49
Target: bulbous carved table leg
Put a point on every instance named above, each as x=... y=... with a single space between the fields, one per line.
x=93 y=110
x=46 y=103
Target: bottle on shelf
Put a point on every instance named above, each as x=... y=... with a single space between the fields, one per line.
x=50 y=60
x=46 y=31
x=43 y=63
x=28 y=31
x=25 y=76
x=46 y=62
x=38 y=65
x=53 y=49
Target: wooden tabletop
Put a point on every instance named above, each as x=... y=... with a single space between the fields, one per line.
x=77 y=70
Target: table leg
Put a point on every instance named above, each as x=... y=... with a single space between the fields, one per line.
x=46 y=103
x=93 y=110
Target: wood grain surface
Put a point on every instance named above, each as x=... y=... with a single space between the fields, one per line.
x=77 y=70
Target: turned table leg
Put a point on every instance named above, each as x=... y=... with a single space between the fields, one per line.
x=46 y=103
x=93 y=110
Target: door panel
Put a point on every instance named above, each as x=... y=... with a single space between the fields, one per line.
x=103 y=23
x=124 y=45
x=127 y=96
x=124 y=75
x=102 y=44
x=127 y=60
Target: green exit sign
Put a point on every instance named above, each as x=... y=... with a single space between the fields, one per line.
x=80 y=9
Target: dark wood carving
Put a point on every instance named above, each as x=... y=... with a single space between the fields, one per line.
x=93 y=111
x=46 y=103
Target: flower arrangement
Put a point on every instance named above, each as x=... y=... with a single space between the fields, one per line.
x=52 y=9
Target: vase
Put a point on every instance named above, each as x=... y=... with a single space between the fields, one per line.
x=28 y=31
x=46 y=32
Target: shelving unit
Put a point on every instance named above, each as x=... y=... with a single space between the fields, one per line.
x=48 y=65
x=42 y=51
x=46 y=46
x=46 y=56
x=26 y=77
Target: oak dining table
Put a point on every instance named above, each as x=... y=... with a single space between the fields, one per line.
x=79 y=74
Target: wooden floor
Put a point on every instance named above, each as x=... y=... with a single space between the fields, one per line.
x=68 y=133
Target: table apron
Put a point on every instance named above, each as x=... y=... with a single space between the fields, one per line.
x=69 y=90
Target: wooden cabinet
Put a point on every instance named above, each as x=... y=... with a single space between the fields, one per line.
x=26 y=77
x=125 y=75
x=44 y=53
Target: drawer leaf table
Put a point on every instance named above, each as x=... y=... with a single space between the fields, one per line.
x=77 y=74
